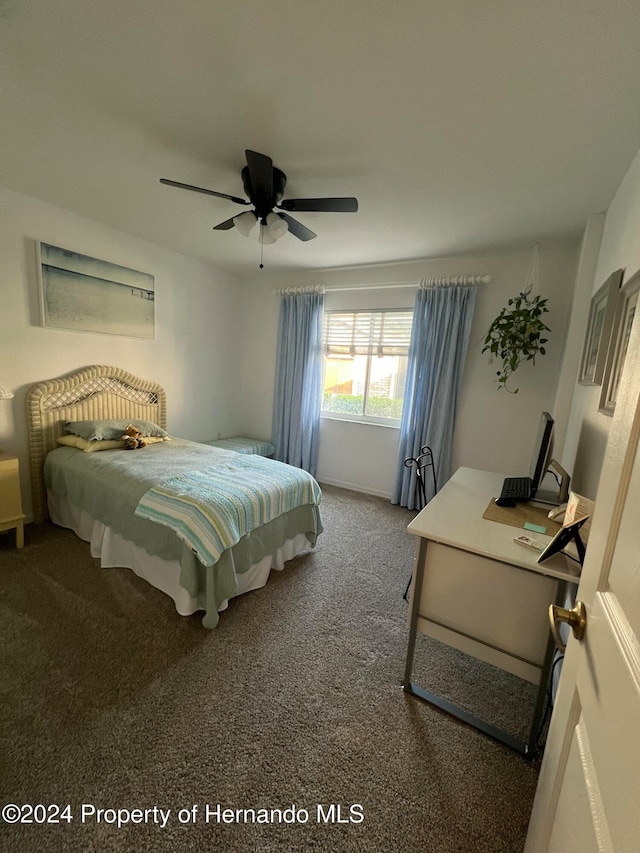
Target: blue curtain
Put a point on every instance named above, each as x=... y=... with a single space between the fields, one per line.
x=439 y=341
x=296 y=406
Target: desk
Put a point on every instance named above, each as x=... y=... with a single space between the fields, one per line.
x=477 y=590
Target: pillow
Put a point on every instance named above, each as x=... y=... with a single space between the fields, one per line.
x=108 y=430
x=89 y=446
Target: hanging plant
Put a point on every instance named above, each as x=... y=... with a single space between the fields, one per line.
x=515 y=335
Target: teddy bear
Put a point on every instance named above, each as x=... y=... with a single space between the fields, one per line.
x=133 y=438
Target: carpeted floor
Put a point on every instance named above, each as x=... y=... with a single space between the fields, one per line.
x=112 y=700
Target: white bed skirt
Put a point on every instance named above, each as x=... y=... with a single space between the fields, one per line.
x=115 y=552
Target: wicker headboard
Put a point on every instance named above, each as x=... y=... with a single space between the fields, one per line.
x=91 y=393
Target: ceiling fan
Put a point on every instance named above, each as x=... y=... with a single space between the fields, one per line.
x=264 y=184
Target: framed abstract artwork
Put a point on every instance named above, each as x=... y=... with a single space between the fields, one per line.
x=625 y=312
x=597 y=339
x=85 y=294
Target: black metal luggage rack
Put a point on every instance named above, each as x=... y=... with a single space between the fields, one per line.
x=423 y=461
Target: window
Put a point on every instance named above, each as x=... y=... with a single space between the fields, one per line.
x=365 y=364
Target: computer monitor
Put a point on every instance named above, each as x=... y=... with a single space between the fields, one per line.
x=542 y=461
x=541 y=451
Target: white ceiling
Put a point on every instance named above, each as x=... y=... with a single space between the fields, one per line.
x=461 y=126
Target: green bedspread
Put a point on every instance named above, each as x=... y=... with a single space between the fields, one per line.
x=212 y=509
x=110 y=485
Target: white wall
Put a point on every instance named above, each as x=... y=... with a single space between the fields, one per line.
x=197 y=323
x=588 y=429
x=495 y=430
x=572 y=357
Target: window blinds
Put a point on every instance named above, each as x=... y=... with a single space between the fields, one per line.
x=367 y=332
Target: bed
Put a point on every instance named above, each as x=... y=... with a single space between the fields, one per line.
x=200 y=523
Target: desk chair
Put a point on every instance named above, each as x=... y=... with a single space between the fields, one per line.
x=423 y=461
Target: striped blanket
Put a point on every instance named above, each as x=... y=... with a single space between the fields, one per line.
x=212 y=509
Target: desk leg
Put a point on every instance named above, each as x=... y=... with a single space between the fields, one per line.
x=415 y=607
x=544 y=679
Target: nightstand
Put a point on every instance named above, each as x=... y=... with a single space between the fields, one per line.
x=11 y=514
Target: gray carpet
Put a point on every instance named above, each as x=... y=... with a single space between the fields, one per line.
x=111 y=699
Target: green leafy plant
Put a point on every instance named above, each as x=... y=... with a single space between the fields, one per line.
x=515 y=335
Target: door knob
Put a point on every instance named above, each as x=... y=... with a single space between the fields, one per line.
x=576 y=618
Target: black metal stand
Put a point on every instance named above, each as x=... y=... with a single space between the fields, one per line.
x=423 y=461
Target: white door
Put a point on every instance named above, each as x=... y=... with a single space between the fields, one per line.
x=588 y=796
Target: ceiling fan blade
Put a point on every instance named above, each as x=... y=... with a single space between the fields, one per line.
x=324 y=205
x=260 y=173
x=297 y=228
x=202 y=190
x=226 y=225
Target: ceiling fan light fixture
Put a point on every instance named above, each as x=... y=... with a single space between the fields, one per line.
x=245 y=222
x=277 y=226
x=265 y=236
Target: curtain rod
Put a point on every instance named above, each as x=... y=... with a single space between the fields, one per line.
x=447 y=280
x=382 y=286
x=440 y=281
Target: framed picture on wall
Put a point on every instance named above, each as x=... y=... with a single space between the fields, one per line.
x=85 y=294
x=598 y=337
x=623 y=320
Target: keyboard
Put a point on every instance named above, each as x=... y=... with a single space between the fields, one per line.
x=517 y=488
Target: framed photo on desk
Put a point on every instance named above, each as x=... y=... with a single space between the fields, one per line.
x=564 y=537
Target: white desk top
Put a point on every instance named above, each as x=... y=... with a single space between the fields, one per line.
x=454 y=517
